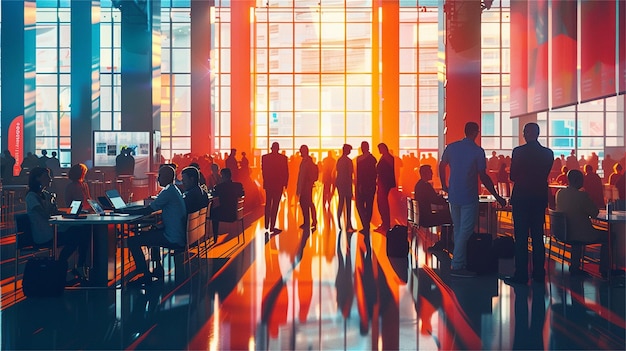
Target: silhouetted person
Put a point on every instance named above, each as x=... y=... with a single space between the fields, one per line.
x=385 y=180
x=328 y=180
x=30 y=161
x=607 y=167
x=571 y=162
x=562 y=177
x=618 y=171
x=232 y=164
x=228 y=194
x=344 y=174
x=43 y=160
x=467 y=163
x=494 y=163
x=125 y=162
x=275 y=171
x=244 y=166
x=579 y=208
x=54 y=165
x=433 y=208
x=194 y=196
x=307 y=175
x=593 y=160
x=77 y=189
x=365 y=185
x=215 y=177
x=7 y=162
x=593 y=186
x=530 y=167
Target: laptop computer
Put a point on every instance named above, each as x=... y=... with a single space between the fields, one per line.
x=99 y=210
x=105 y=203
x=118 y=203
x=75 y=208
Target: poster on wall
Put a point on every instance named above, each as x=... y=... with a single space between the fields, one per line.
x=15 y=142
x=519 y=62
x=597 y=43
x=109 y=144
x=537 y=55
x=564 y=37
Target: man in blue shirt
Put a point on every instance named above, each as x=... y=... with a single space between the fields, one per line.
x=467 y=164
x=173 y=232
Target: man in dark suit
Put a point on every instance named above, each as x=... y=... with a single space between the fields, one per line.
x=227 y=192
x=195 y=197
x=275 y=170
x=385 y=180
x=365 y=185
x=307 y=175
x=530 y=166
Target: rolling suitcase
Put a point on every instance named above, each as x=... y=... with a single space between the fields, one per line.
x=397 y=241
x=44 y=277
x=480 y=256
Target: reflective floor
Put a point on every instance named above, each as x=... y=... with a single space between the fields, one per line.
x=326 y=289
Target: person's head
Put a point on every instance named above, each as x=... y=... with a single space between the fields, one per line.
x=346 y=149
x=426 y=172
x=471 y=130
x=493 y=153
x=304 y=150
x=54 y=154
x=275 y=147
x=123 y=150
x=38 y=179
x=233 y=152
x=588 y=169
x=44 y=152
x=564 y=169
x=575 y=178
x=573 y=153
x=243 y=154
x=617 y=168
x=531 y=132
x=194 y=164
x=365 y=147
x=77 y=172
x=215 y=168
x=383 y=148
x=190 y=176
x=226 y=174
x=166 y=175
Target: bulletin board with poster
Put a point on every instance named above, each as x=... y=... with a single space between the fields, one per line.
x=108 y=144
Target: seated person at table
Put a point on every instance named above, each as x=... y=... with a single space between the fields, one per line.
x=433 y=208
x=77 y=189
x=195 y=197
x=173 y=232
x=592 y=184
x=562 y=178
x=227 y=193
x=617 y=173
x=40 y=205
x=579 y=208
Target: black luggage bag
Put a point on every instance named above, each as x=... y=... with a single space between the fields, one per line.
x=397 y=241
x=504 y=247
x=44 y=277
x=480 y=256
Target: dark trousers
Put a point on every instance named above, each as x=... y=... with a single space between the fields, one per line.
x=75 y=237
x=364 y=202
x=382 y=200
x=272 y=200
x=528 y=219
x=151 y=238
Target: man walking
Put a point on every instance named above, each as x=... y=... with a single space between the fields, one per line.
x=275 y=172
x=365 y=185
x=467 y=164
x=530 y=167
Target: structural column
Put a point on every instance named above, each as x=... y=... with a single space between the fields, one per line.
x=201 y=112
x=141 y=65
x=389 y=124
x=85 y=114
x=463 y=102
x=241 y=97
x=18 y=77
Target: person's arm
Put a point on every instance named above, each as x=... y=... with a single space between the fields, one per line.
x=488 y=183
x=442 y=174
x=514 y=167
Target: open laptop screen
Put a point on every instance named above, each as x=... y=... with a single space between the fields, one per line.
x=75 y=207
x=96 y=207
x=116 y=199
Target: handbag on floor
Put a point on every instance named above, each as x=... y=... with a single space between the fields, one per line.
x=44 y=277
x=397 y=241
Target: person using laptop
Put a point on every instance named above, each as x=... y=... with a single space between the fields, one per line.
x=40 y=205
x=173 y=232
x=195 y=197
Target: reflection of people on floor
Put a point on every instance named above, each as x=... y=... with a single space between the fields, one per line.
x=365 y=277
x=365 y=185
x=305 y=281
x=343 y=281
x=275 y=296
x=529 y=324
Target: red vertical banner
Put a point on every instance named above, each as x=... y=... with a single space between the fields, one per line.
x=519 y=58
x=16 y=142
x=622 y=46
x=537 y=55
x=564 y=37
x=598 y=37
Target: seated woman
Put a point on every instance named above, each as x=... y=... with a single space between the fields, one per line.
x=227 y=192
x=77 y=189
x=40 y=205
x=578 y=208
x=433 y=208
x=562 y=178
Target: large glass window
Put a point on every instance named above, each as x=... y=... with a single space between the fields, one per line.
x=110 y=68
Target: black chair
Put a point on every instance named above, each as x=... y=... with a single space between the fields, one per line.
x=24 y=241
x=236 y=217
x=558 y=229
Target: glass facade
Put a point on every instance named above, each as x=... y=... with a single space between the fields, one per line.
x=312 y=65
